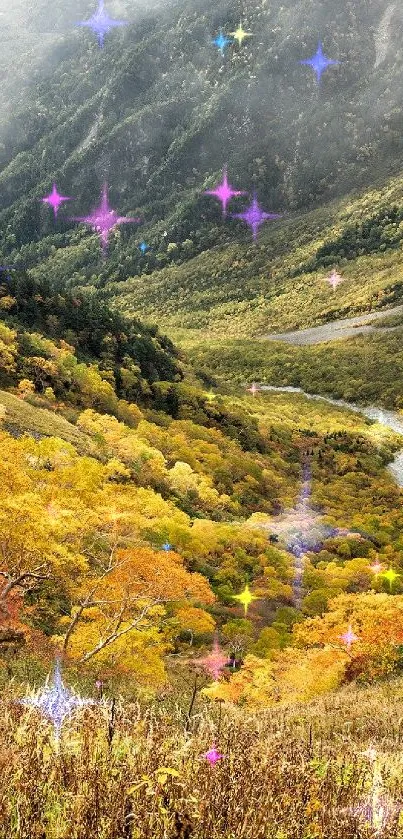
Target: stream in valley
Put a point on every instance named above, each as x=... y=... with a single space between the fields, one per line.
x=390 y=419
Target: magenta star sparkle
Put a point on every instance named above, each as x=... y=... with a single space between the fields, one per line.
x=214 y=662
x=54 y=199
x=348 y=638
x=103 y=219
x=319 y=62
x=213 y=756
x=101 y=23
x=254 y=216
x=224 y=191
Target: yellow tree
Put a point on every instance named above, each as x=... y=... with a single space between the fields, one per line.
x=127 y=595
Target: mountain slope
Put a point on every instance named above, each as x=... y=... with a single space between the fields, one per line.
x=248 y=290
x=158 y=112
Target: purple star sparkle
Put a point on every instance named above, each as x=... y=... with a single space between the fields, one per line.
x=214 y=662
x=224 y=191
x=213 y=756
x=56 y=702
x=54 y=199
x=101 y=23
x=254 y=216
x=319 y=62
x=103 y=219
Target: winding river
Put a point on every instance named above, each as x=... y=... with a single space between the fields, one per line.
x=390 y=419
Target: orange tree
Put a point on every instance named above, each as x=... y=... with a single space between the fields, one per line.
x=376 y=620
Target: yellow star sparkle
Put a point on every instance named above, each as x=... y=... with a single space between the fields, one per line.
x=240 y=34
x=390 y=575
x=245 y=597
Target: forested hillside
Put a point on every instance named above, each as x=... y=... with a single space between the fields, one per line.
x=136 y=509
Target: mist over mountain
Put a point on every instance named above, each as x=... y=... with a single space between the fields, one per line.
x=158 y=111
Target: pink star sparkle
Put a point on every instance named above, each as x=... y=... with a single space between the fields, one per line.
x=348 y=638
x=54 y=199
x=103 y=219
x=224 y=191
x=253 y=389
x=334 y=280
x=213 y=756
x=254 y=216
x=215 y=662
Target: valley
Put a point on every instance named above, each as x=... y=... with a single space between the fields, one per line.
x=201 y=581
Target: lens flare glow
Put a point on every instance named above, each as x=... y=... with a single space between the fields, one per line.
x=224 y=191
x=349 y=637
x=376 y=568
x=214 y=662
x=254 y=217
x=390 y=576
x=301 y=530
x=240 y=34
x=221 y=41
x=213 y=756
x=253 y=389
x=334 y=280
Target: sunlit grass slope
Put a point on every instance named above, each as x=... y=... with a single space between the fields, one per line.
x=21 y=417
x=244 y=290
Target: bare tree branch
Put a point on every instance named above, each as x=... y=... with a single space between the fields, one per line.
x=104 y=642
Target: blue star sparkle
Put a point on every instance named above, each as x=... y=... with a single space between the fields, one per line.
x=166 y=547
x=143 y=247
x=221 y=41
x=319 y=62
x=56 y=702
x=101 y=23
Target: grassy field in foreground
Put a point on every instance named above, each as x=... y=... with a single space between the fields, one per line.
x=302 y=772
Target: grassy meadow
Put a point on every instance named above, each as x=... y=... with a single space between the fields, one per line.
x=331 y=769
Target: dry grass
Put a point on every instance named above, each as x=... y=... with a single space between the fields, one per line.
x=297 y=773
